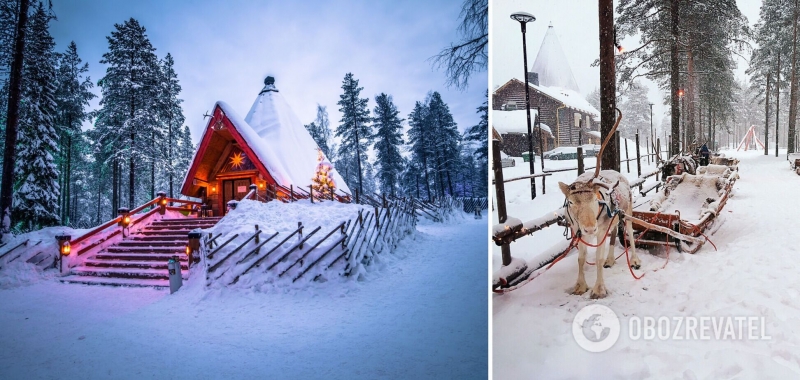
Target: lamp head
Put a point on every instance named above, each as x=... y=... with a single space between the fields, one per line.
x=522 y=17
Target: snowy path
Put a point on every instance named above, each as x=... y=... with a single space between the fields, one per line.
x=424 y=315
x=754 y=273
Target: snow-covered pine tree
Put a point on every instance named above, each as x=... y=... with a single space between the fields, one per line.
x=171 y=114
x=479 y=133
x=446 y=139
x=388 y=139
x=72 y=97
x=354 y=129
x=636 y=108
x=37 y=191
x=422 y=142
x=130 y=90
x=185 y=152
x=322 y=182
x=320 y=131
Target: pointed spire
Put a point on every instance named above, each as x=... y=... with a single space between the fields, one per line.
x=551 y=64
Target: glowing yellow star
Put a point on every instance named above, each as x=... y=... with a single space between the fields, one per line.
x=237 y=160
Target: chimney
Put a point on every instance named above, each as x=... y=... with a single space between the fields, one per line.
x=533 y=78
x=269 y=85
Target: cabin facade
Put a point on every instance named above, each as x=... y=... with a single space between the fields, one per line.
x=270 y=148
x=562 y=110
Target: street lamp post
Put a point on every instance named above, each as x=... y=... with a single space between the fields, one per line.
x=524 y=18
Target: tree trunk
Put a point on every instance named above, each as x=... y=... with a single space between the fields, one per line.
x=777 y=101
x=673 y=81
x=691 y=94
x=766 y=118
x=608 y=86
x=793 y=86
x=12 y=120
x=68 y=182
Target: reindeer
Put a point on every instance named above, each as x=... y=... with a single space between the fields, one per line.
x=593 y=201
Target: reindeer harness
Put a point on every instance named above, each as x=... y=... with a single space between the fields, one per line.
x=608 y=201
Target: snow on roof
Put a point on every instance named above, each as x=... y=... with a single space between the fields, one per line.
x=279 y=139
x=551 y=64
x=515 y=121
x=594 y=134
x=570 y=98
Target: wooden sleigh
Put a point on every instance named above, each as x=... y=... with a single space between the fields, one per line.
x=684 y=209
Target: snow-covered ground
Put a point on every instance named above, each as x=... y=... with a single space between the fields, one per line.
x=753 y=274
x=423 y=315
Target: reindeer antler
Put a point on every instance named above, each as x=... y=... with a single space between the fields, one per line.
x=603 y=147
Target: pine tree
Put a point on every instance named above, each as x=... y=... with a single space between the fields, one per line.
x=320 y=130
x=422 y=146
x=171 y=115
x=130 y=91
x=388 y=139
x=354 y=130
x=446 y=138
x=480 y=131
x=37 y=194
x=322 y=182
x=72 y=97
x=636 y=109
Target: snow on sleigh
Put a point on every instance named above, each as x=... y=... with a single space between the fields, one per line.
x=687 y=204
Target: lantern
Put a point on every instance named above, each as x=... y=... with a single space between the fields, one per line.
x=64 y=247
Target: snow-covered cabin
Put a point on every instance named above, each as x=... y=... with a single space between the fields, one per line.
x=554 y=92
x=270 y=148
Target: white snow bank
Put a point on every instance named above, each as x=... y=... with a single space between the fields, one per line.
x=27 y=258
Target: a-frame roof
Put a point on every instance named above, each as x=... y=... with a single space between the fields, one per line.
x=276 y=142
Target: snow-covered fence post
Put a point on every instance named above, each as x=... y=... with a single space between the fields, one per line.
x=580 y=161
x=627 y=160
x=192 y=247
x=300 y=234
x=254 y=191
x=63 y=253
x=162 y=202
x=232 y=204
x=638 y=160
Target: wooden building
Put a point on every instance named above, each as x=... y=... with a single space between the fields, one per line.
x=565 y=111
x=269 y=148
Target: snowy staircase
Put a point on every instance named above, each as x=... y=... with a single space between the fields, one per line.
x=141 y=258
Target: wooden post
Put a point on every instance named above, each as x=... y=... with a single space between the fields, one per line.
x=300 y=235
x=627 y=160
x=580 y=160
x=500 y=194
x=311 y=193
x=291 y=192
x=658 y=149
x=638 y=157
x=647 y=148
x=619 y=152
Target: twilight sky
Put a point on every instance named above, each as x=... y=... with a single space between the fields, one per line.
x=224 y=49
x=577 y=29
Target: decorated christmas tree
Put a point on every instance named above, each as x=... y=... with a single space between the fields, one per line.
x=323 y=183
